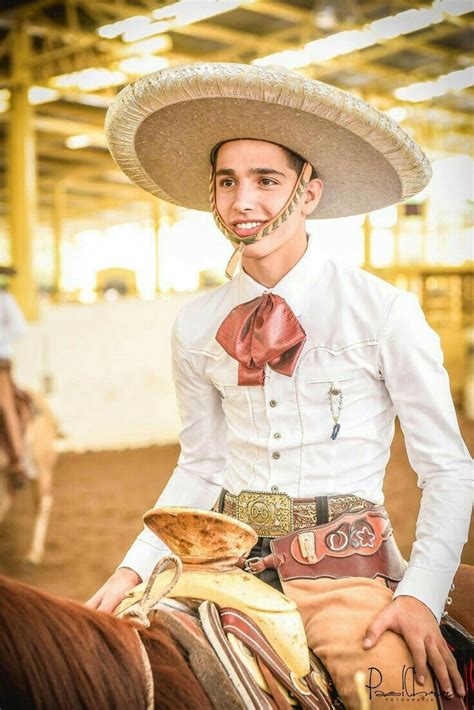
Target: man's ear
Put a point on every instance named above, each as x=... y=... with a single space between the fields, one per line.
x=314 y=190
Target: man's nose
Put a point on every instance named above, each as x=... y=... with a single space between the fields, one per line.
x=244 y=199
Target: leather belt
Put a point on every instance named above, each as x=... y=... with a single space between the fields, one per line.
x=275 y=514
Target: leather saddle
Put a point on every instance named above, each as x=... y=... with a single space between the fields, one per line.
x=256 y=632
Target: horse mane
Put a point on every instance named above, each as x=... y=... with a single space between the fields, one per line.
x=56 y=653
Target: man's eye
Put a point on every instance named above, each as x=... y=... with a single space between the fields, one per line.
x=268 y=181
x=226 y=182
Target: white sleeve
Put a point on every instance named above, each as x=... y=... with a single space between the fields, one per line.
x=197 y=479
x=411 y=362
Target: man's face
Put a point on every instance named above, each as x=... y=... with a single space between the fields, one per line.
x=253 y=182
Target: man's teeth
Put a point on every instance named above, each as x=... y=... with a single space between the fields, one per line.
x=248 y=225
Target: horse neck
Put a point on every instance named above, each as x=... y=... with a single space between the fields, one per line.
x=56 y=653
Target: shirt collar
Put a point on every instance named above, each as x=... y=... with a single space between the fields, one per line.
x=293 y=287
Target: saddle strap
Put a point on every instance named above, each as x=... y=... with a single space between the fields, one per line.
x=243 y=627
x=252 y=697
x=280 y=702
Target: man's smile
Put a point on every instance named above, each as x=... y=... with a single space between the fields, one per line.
x=245 y=229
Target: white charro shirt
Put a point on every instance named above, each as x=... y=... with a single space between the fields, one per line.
x=370 y=338
x=12 y=324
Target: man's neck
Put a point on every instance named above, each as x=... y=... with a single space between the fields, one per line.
x=269 y=270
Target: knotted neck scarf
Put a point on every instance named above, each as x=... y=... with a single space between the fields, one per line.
x=264 y=331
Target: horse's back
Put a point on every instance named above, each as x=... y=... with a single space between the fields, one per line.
x=462 y=607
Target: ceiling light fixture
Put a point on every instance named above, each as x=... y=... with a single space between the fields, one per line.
x=386 y=28
x=289 y=58
x=454 y=7
x=154 y=45
x=137 y=66
x=178 y=14
x=86 y=140
x=405 y=22
x=91 y=79
x=115 y=29
x=79 y=141
x=425 y=90
x=398 y=113
x=42 y=95
x=4 y=100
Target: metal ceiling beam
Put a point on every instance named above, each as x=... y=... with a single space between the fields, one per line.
x=60 y=126
x=27 y=9
x=225 y=35
x=94 y=188
x=282 y=10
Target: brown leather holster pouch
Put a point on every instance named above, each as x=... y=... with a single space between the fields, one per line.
x=353 y=545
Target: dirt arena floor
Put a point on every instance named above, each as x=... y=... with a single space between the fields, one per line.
x=100 y=498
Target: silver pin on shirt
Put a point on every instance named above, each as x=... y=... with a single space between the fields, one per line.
x=335 y=391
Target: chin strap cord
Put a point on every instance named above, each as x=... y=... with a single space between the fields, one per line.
x=233 y=261
x=285 y=212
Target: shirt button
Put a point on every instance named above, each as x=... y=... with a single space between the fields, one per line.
x=275 y=455
x=277 y=435
x=272 y=403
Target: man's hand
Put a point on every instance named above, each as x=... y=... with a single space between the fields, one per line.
x=114 y=590
x=414 y=621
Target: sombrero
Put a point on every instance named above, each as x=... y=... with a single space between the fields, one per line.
x=163 y=127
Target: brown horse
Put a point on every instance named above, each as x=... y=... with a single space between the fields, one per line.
x=40 y=435
x=55 y=653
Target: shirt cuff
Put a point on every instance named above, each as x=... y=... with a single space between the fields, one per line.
x=143 y=556
x=430 y=587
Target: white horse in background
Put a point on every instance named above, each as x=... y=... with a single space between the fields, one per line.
x=40 y=435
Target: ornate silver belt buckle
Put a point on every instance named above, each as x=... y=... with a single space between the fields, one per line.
x=269 y=514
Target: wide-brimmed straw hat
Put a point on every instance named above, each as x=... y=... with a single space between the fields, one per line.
x=162 y=129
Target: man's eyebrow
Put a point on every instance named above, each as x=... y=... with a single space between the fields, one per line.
x=225 y=171
x=266 y=171
x=252 y=171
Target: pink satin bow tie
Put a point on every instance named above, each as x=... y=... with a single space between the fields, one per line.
x=259 y=332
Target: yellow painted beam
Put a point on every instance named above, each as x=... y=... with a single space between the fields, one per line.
x=367 y=227
x=57 y=220
x=157 y=214
x=22 y=177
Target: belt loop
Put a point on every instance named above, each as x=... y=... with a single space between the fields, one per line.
x=322 y=510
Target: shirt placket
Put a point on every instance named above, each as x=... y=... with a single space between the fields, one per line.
x=274 y=406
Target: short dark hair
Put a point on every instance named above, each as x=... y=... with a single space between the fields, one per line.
x=295 y=161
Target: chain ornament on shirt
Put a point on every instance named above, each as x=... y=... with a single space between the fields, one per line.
x=335 y=391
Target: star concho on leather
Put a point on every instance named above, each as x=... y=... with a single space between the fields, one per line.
x=273 y=514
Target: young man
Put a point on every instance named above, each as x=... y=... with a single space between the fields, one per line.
x=289 y=377
x=12 y=326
